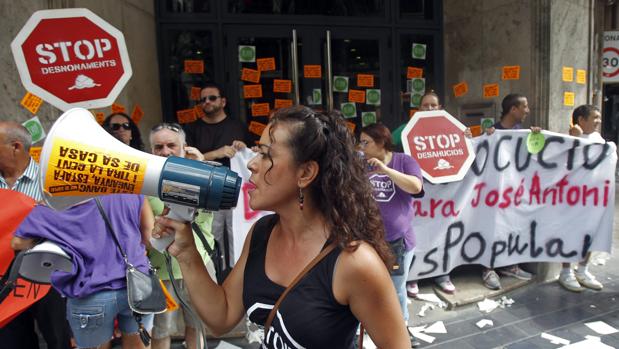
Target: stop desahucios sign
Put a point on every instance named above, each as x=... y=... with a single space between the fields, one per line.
x=436 y=140
x=71 y=58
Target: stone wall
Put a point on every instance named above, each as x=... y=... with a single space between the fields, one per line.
x=135 y=18
x=541 y=36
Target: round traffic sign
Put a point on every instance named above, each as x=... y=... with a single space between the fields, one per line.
x=610 y=62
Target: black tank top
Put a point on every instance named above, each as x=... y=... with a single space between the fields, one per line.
x=309 y=316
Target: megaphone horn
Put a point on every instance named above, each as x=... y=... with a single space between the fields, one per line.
x=80 y=160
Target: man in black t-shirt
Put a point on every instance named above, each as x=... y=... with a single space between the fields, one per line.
x=515 y=109
x=218 y=136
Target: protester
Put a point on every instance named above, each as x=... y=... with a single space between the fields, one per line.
x=96 y=289
x=308 y=173
x=124 y=129
x=430 y=101
x=168 y=139
x=394 y=177
x=515 y=109
x=586 y=120
x=218 y=136
x=19 y=172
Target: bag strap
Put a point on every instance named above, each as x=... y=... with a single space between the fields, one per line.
x=303 y=272
x=111 y=229
x=200 y=233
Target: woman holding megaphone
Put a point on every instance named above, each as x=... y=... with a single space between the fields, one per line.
x=310 y=272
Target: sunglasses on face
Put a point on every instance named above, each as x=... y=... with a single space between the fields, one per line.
x=116 y=127
x=211 y=98
x=170 y=126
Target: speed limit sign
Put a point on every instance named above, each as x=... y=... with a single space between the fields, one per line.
x=610 y=57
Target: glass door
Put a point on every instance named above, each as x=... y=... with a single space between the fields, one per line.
x=273 y=67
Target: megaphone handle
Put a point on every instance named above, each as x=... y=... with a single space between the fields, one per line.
x=178 y=213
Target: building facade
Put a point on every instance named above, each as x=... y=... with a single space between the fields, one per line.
x=372 y=59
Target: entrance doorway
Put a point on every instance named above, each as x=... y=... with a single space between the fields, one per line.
x=341 y=69
x=357 y=57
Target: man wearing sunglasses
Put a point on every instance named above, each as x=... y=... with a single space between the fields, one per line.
x=218 y=136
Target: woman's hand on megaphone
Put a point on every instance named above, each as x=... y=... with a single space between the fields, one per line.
x=183 y=235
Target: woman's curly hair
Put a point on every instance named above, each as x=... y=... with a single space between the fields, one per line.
x=341 y=190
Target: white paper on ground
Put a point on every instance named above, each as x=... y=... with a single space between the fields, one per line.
x=593 y=338
x=432 y=298
x=487 y=305
x=484 y=322
x=425 y=308
x=601 y=327
x=587 y=344
x=424 y=337
x=226 y=345
x=437 y=327
x=417 y=329
x=555 y=339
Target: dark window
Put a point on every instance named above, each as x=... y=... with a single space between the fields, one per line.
x=188 y=6
x=417 y=9
x=185 y=46
x=350 y=8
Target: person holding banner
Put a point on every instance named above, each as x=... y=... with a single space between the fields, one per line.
x=515 y=109
x=218 y=136
x=429 y=102
x=96 y=289
x=586 y=121
x=19 y=172
x=394 y=177
x=308 y=172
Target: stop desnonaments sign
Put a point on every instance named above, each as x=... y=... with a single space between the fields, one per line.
x=72 y=58
x=436 y=140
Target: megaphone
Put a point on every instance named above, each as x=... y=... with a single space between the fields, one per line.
x=80 y=161
x=40 y=261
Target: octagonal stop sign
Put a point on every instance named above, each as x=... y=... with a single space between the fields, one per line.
x=71 y=58
x=436 y=140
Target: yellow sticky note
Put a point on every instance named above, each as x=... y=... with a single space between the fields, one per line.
x=568 y=99
x=491 y=90
x=31 y=102
x=568 y=74
x=35 y=153
x=581 y=76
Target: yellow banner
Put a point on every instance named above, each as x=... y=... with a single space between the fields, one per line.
x=78 y=169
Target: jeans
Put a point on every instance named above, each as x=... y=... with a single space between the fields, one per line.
x=92 y=317
x=399 y=281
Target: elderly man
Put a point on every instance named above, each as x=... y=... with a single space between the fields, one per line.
x=20 y=173
x=169 y=140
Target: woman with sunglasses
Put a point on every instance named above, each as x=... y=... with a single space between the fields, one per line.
x=124 y=129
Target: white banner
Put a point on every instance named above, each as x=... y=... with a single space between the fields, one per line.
x=514 y=207
x=511 y=207
x=243 y=217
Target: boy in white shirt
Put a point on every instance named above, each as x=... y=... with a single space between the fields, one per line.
x=586 y=120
